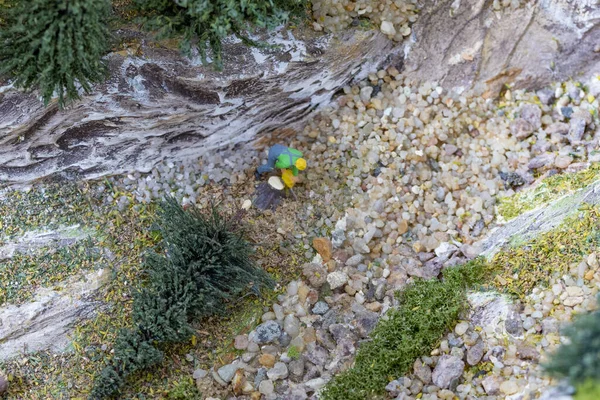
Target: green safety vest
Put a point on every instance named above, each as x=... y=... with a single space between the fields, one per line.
x=287 y=160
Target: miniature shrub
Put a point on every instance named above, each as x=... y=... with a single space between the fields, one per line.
x=55 y=45
x=205 y=23
x=206 y=263
x=428 y=308
x=579 y=358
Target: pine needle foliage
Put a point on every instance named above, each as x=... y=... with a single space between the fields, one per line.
x=579 y=358
x=55 y=45
x=204 y=264
x=205 y=23
x=428 y=309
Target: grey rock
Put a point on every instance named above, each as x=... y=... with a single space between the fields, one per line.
x=296 y=369
x=380 y=290
x=337 y=279
x=227 y=372
x=284 y=340
x=559 y=128
x=325 y=339
x=291 y=325
x=315 y=384
x=563 y=391
x=267 y=332
x=511 y=179
x=320 y=308
x=513 y=324
x=360 y=246
x=365 y=323
x=394 y=387
x=416 y=387
x=491 y=385
x=545 y=95
x=340 y=331
x=261 y=375
x=266 y=387
x=355 y=260
x=279 y=371
x=312 y=372
x=566 y=111
x=422 y=371
x=315 y=273
x=527 y=352
x=532 y=114
x=448 y=370
x=3 y=384
x=475 y=353
x=549 y=325
x=576 y=129
x=521 y=129
x=528 y=323
x=454 y=341
x=329 y=318
x=200 y=374
x=316 y=354
x=541 y=161
x=337 y=238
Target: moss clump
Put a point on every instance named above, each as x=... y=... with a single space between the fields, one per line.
x=549 y=189
x=533 y=262
x=204 y=264
x=428 y=308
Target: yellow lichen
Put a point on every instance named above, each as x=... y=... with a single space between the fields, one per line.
x=549 y=189
x=529 y=264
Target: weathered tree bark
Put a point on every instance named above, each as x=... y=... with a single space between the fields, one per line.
x=166 y=106
x=162 y=106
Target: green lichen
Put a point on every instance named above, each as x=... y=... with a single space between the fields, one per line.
x=293 y=352
x=549 y=189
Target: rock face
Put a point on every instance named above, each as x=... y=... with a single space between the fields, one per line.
x=165 y=106
x=44 y=323
x=461 y=43
x=532 y=223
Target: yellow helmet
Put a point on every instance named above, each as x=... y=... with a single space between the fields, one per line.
x=301 y=164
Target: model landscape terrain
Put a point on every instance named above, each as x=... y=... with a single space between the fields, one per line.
x=439 y=238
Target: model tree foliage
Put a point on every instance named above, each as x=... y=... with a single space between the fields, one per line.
x=57 y=45
x=579 y=359
x=205 y=23
x=54 y=45
x=205 y=262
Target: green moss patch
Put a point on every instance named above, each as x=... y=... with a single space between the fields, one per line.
x=549 y=189
x=522 y=267
x=428 y=308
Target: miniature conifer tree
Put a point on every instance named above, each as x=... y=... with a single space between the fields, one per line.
x=205 y=23
x=578 y=359
x=55 y=45
x=205 y=262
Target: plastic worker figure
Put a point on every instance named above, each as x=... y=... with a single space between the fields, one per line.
x=284 y=158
